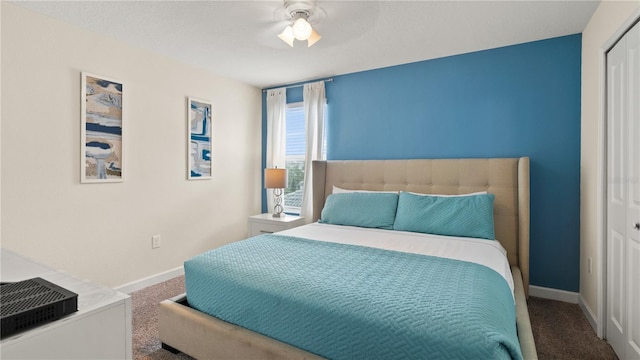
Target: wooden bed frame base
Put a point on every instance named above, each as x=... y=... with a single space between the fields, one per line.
x=206 y=337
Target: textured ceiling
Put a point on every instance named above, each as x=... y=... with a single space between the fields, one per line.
x=238 y=39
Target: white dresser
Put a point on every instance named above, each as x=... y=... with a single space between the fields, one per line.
x=100 y=329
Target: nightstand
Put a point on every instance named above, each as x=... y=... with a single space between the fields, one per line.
x=266 y=223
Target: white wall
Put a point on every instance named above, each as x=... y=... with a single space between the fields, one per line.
x=607 y=19
x=102 y=232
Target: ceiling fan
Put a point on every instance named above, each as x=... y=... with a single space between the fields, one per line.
x=300 y=29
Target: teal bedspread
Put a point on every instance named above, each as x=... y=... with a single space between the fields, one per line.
x=352 y=302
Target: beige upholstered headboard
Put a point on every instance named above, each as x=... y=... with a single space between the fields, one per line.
x=506 y=178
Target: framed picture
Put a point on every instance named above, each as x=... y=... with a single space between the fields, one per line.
x=199 y=139
x=102 y=135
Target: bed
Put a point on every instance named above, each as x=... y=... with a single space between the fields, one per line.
x=506 y=180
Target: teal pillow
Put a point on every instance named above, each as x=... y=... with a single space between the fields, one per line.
x=466 y=216
x=371 y=210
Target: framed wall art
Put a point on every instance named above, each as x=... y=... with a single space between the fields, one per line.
x=199 y=139
x=102 y=130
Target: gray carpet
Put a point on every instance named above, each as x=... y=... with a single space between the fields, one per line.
x=146 y=344
x=560 y=329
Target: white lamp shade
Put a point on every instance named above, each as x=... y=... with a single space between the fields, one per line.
x=287 y=35
x=275 y=178
x=313 y=38
x=300 y=30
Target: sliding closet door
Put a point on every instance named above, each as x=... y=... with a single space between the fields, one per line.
x=623 y=196
x=616 y=195
x=633 y=199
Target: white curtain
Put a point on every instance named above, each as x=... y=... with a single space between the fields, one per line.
x=314 y=104
x=276 y=134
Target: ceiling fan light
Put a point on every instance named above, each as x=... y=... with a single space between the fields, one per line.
x=302 y=29
x=287 y=35
x=313 y=38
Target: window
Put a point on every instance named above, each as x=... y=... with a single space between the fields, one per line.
x=295 y=157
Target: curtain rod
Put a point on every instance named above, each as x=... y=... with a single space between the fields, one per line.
x=295 y=86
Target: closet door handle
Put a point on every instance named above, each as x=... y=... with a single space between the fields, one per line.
x=636 y=226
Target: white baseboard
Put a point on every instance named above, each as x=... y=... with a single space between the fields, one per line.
x=554 y=294
x=591 y=317
x=151 y=280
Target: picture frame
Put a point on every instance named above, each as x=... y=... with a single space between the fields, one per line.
x=199 y=136
x=102 y=125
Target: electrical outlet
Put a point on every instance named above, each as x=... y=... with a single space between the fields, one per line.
x=589 y=265
x=155 y=241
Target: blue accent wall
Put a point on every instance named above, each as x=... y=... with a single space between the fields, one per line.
x=521 y=100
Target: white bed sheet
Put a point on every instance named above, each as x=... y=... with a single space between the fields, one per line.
x=489 y=253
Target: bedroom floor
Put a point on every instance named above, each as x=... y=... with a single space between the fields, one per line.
x=560 y=329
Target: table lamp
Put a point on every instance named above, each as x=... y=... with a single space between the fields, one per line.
x=276 y=179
